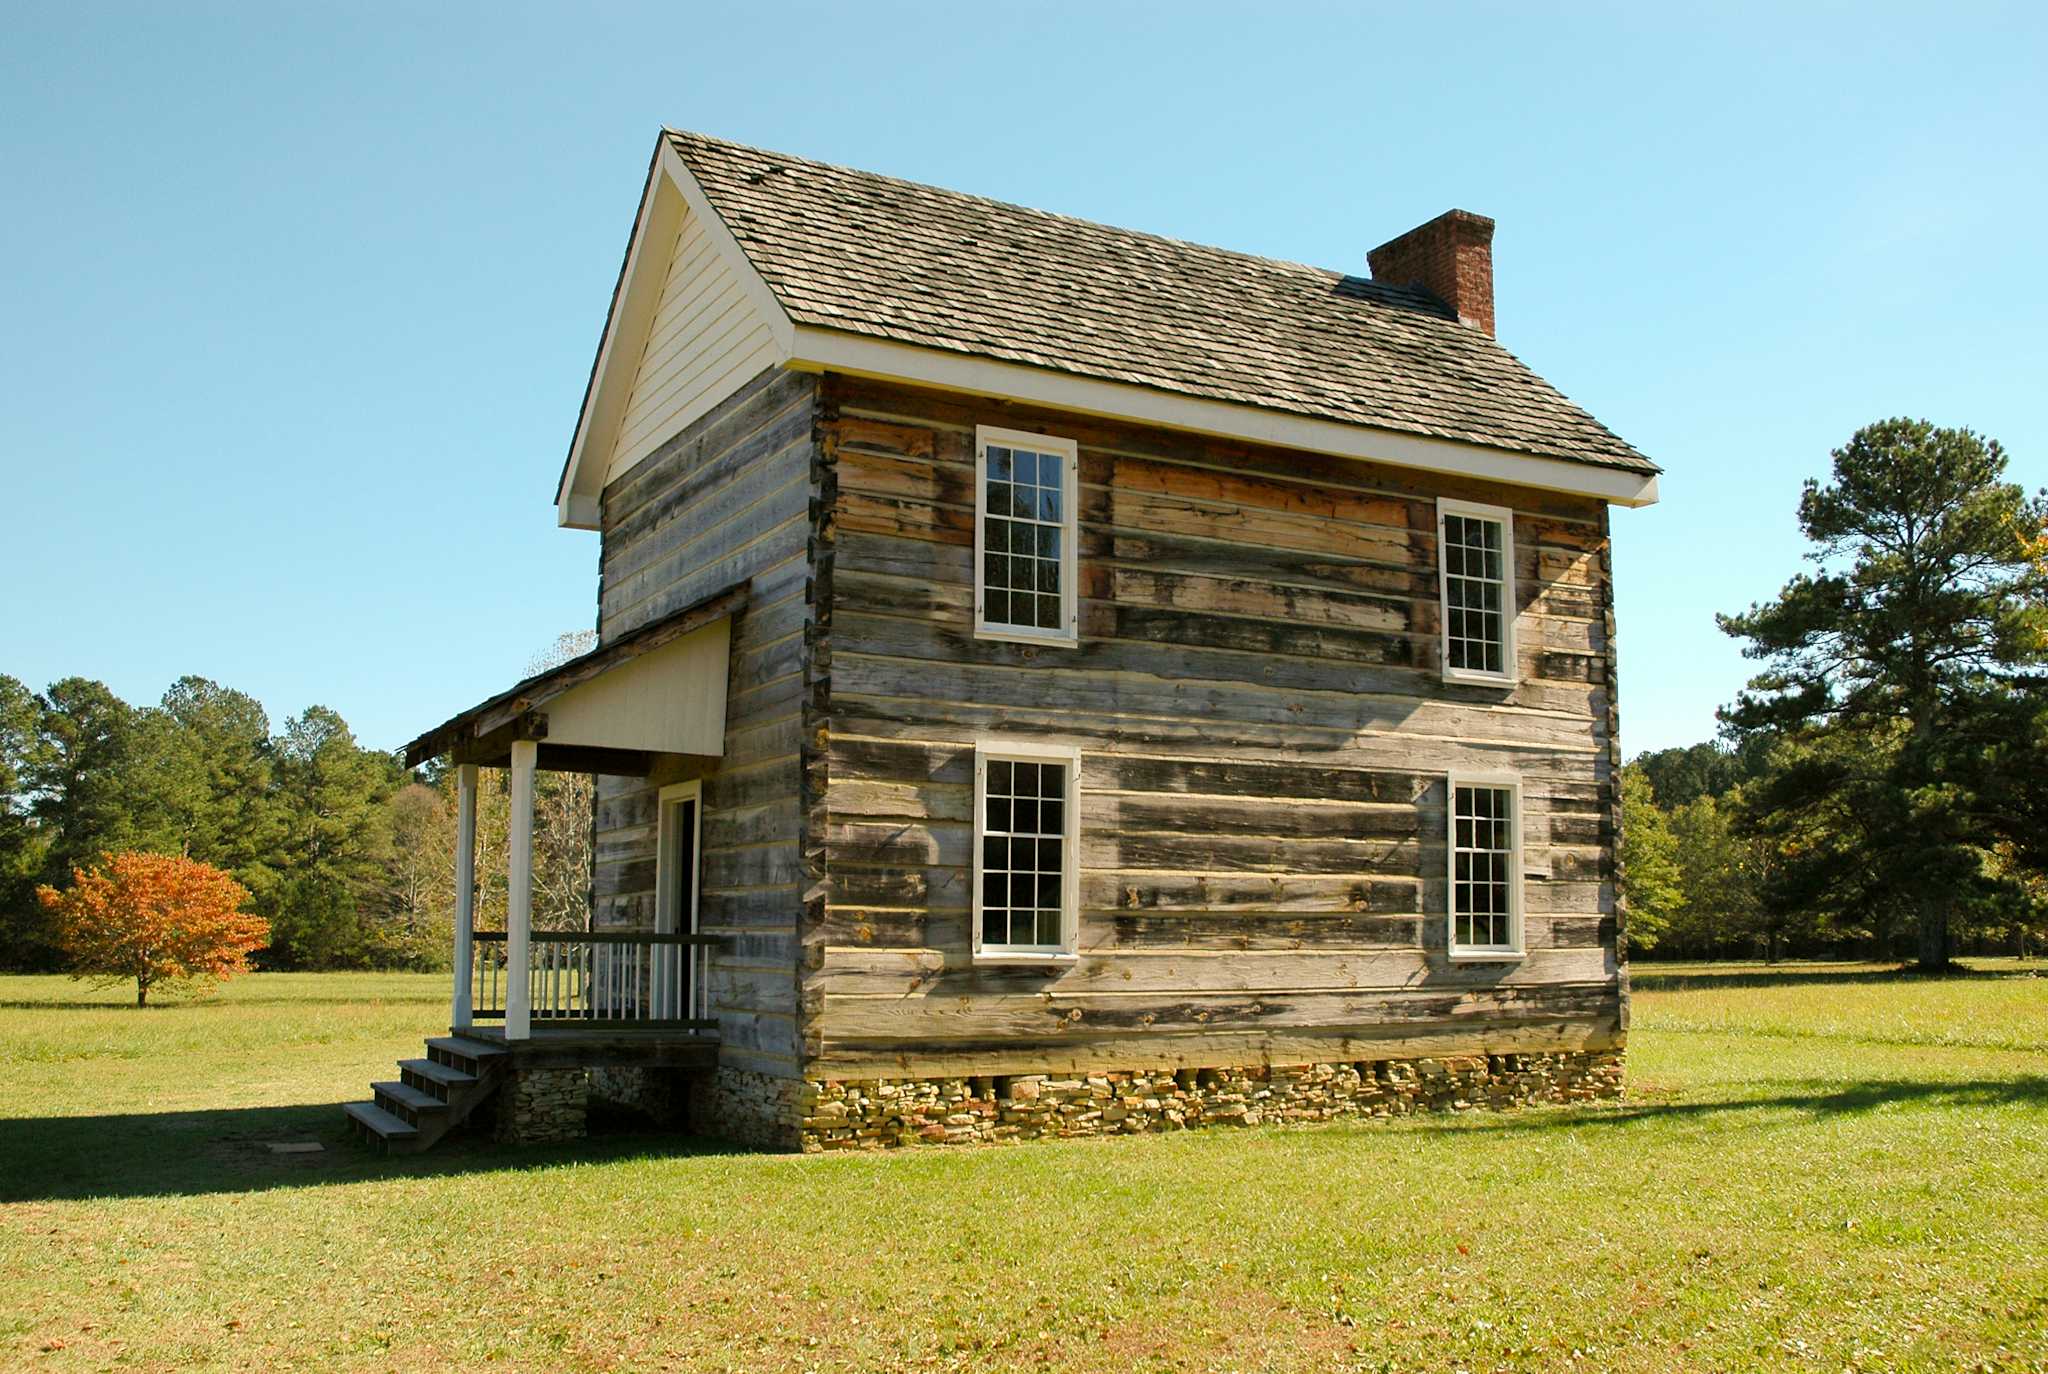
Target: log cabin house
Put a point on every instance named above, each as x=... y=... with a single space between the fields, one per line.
x=1052 y=679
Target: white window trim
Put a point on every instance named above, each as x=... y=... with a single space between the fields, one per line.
x=1509 y=605
x=1015 y=751
x=1476 y=954
x=1070 y=613
x=666 y=878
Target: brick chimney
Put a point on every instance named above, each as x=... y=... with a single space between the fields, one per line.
x=1451 y=257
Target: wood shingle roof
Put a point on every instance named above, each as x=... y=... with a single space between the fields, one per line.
x=918 y=265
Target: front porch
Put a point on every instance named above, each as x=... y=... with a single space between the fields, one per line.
x=534 y=1013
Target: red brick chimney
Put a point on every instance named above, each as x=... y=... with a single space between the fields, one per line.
x=1451 y=257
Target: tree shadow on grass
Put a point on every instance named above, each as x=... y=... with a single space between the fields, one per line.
x=1814 y=1098
x=1648 y=978
x=185 y=1154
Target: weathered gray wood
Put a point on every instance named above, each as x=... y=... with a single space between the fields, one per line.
x=730 y=498
x=1209 y=1047
x=1264 y=740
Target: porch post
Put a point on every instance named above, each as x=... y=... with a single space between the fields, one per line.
x=519 y=899
x=459 y=1015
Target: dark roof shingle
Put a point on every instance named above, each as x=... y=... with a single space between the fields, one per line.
x=940 y=269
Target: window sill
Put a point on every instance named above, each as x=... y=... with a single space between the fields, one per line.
x=1465 y=678
x=1488 y=956
x=1049 y=640
x=1026 y=957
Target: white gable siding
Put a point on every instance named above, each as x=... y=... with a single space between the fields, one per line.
x=706 y=339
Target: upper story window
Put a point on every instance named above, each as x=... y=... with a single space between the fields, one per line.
x=1026 y=871
x=1476 y=570
x=1024 y=536
x=1486 y=865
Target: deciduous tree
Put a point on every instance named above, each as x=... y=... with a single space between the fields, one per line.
x=156 y=918
x=1649 y=862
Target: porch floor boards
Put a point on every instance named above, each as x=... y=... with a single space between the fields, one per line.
x=602 y=1047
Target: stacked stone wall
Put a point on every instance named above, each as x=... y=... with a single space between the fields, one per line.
x=539 y=1106
x=872 y=1114
x=749 y=1108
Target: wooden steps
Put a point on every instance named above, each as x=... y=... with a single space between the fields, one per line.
x=371 y=1119
x=430 y=1097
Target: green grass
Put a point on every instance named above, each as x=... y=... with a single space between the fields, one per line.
x=1819 y=1168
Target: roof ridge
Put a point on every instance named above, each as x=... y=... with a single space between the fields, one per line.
x=670 y=131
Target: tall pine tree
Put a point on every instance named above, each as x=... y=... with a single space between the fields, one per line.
x=1925 y=601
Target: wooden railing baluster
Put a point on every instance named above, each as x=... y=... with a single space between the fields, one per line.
x=625 y=978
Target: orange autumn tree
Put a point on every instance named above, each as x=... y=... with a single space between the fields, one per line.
x=156 y=918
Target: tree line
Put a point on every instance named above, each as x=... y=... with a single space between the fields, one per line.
x=347 y=854
x=1881 y=785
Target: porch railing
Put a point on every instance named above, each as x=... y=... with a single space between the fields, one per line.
x=623 y=979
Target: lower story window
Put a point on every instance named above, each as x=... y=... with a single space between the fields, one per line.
x=1025 y=881
x=1486 y=861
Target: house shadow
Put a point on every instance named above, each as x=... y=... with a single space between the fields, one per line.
x=237 y=1150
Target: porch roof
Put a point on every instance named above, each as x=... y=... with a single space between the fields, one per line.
x=614 y=710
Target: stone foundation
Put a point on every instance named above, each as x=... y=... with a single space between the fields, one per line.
x=873 y=1114
x=749 y=1109
x=538 y=1106
x=660 y=1095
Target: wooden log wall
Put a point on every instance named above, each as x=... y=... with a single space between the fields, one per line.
x=728 y=500
x=1265 y=734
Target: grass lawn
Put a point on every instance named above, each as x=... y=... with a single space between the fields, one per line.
x=1820 y=1167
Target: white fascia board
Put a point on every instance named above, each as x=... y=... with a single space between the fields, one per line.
x=577 y=498
x=821 y=350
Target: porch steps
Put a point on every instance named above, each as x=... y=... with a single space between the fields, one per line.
x=430 y=1097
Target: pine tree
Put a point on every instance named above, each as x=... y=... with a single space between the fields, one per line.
x=1926 y=598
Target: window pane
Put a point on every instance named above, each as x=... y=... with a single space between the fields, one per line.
x=1026 y=467
x=1482 y=866
x=998 y=464
x=1022 y=890
x=996 y=608
x=1048 y=612
x=995 y=536
x=1475 y=593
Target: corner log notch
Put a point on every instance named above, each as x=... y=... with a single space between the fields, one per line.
x=485 y=733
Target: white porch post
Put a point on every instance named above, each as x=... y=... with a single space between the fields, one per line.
x=519 y=900
x=459 y=1015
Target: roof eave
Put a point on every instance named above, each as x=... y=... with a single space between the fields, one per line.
x=830 y=350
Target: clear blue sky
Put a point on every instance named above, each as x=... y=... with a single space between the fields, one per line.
x=297 y=303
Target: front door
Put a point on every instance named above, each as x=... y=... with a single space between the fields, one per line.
x=678 y=996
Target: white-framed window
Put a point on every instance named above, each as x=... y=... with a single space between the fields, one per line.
x=678 y=972
x=1024 y=530
x=1027 y=882
x=1485 y=813
x=1476 y=579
